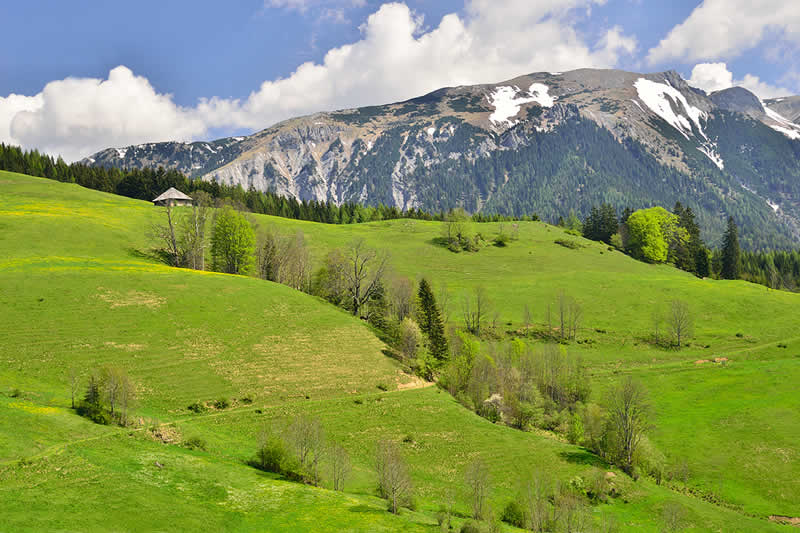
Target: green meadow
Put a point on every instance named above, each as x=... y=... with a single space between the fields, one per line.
x=78 y=292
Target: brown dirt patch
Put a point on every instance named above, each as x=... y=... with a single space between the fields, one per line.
x=786 y=520
x=701 y=361
x=126 y=347
x=165 y=434
x=412 y=382
x=720 y=359
x=131 y=298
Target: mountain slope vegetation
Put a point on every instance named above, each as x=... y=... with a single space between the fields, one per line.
x=80 y=291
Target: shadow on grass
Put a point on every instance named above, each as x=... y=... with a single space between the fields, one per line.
x=583 y=457
x=439 y=241
x=148 y=255
x=365 y=509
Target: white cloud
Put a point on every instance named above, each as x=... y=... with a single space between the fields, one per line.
x=760 y=88
x=711 y=77
x=396 y=58
x=719 y=29
x=75 y=117
x=715 y=76
x=10 y=107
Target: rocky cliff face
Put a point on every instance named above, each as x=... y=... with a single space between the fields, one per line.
x=444 y=149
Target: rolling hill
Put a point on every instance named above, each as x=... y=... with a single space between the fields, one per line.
x=78 y=291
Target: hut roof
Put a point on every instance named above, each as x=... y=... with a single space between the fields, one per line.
x=172 y=194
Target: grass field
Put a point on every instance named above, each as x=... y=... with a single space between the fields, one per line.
x=76 y=292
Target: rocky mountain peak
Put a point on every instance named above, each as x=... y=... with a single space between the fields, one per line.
x=738 y=99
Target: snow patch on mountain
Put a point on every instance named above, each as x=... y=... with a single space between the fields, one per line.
x=431 y=131
x=508 y=100
x=656 y=96
x=121 y=152
x=710 y=150
x=774 y=207
x=787 y=127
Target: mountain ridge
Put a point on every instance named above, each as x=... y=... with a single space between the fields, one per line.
x=407 y=153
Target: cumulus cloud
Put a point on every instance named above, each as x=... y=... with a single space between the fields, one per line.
x=715 y=76
x=397 y=57
x=725 y=28
x=75 y=117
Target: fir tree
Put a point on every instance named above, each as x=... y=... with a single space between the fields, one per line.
x=730 y=252
x=431 y=321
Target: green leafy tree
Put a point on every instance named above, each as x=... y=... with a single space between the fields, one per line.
x=232 y=243
x=430 y=322
x=731 y=255
x=652 y=232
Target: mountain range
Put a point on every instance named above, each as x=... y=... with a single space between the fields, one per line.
x=543 y=143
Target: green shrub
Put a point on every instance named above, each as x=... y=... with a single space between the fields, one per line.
x=272 y=455
x=197 y=407
x=94 y=412
x=569 y=243
x=470 y=527
x=16 y=393
x=575 y=432
x=247 y=400
x=383 y=386
x=222 y=403
x=490 y=412
x=443 y=518
x=502 y=239
x=514 y=514
x=195 y=443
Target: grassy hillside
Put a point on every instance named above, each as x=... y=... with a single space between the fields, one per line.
x=77 y=293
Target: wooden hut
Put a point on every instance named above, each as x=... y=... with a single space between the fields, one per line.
x=172 y=197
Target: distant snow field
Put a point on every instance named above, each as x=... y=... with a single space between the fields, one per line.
x=787 y=127
x=657 y=96
x=654 y=95
x=507 y=101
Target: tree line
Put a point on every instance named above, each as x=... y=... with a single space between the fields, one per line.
x=655 y=235
x=146 y=184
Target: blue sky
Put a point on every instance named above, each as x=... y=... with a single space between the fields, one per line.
x=79 y=76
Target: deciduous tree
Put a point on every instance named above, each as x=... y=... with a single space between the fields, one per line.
x=629 y=415
x=232 y=242
x=394 y=481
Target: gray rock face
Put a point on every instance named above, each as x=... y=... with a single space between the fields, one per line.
x=788 y=107
x=739 y=100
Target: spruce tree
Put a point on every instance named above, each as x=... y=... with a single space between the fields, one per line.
x=730 y=252
x=431 y=321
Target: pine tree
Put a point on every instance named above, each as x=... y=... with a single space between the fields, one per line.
x=730 y=252
x=431 y=321
x=702 y=266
